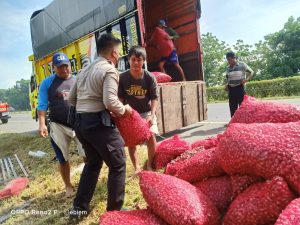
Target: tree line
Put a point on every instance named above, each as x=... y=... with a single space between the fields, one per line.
x=278 y=55
x=17 y=96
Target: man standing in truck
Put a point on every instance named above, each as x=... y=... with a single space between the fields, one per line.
x=53 y=95
x=163 y=37
x=237 y=75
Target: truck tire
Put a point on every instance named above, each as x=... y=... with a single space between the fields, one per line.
x=4 y=120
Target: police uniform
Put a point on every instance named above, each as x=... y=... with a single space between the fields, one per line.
x=95 y=95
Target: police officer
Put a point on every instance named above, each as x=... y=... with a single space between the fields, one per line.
x=95 y=96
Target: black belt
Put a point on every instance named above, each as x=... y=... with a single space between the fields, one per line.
x=90 y=115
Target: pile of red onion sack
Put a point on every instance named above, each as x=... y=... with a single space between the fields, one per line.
x=249 y=175
x=162 y=77
x=254 y=111
x=168 y=150
x=134 y=217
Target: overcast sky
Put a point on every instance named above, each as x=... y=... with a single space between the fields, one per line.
x=249 y=20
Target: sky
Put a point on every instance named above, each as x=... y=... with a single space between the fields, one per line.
x=249 y=20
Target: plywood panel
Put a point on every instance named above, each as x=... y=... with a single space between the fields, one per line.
x=159 y=113
x=181 y=104
x=200 y=102
x=204 y=102
x=172 y=107
x=190 y=103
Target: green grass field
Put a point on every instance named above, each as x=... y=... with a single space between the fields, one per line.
x=46 y=189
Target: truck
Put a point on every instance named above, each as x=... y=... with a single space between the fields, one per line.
x=73 y=26
x=4 y=112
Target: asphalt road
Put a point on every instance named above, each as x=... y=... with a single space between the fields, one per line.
x=218 y=116
x=20 y=122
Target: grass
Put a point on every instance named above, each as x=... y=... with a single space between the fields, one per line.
x=46 y=189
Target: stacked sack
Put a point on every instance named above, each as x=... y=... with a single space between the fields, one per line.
x=253 y=111
x=134 y=217
x=133 y=129
x=249 y=175
x=169 y=149
x=262 y=140
x=162 y=77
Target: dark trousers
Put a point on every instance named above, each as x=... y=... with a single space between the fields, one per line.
x=100 y=144
x=236 y=96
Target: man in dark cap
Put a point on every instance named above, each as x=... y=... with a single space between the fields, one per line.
x=53 y=95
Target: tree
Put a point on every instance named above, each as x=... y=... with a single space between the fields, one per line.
x=214 y=62
x=285 y=49
x=250 y=55
x=243 y=51
x=277 y=56
x=3 y=97
x=18 y=96
x=261 y=54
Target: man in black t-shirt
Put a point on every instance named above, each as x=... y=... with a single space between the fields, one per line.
x=138 y=88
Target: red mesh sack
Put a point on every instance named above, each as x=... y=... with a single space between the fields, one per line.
x=218 y=190
x=14 y=187
x=169 y=149
x=254 y=111
x=240 y=183
x=260 y=204
x=181 y=160
x=176 y=201
x=163 y=44
x=162 y=77
x=291 y=214
x=222 y=190
x=210 y=142
x=134 y=217
x=133 y=128
x=5 y=193
x=202 y=165
x=266 y=149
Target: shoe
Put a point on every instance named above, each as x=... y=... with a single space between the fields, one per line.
x=77 y=213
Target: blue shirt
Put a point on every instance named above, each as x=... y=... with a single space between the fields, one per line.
x=53 y=94
x=43 y=93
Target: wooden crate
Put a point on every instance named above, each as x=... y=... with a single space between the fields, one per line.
x=204 y=101
x=181 y=104
x=171 y=107
x=200 y=101
x=159 y=113
x=190 y=103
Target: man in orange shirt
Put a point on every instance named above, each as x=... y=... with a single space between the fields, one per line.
x=162 y=38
